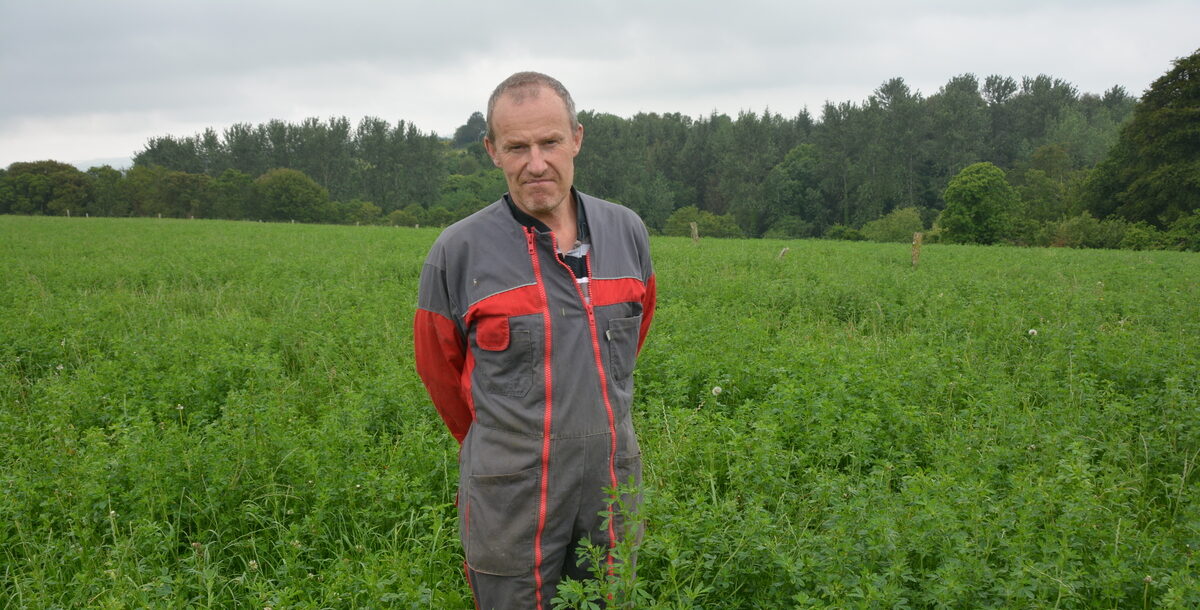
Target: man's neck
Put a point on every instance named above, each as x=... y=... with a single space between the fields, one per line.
x=564 y=225
x=563 y=222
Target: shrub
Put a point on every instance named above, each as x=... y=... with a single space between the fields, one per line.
x=1083 y=231
x=1143 y=236
x=844 y=233
x=439 y=216
x=288 y=194
x=897 y=226
x=352 y=212
x=790 y=227
x=980 y=206
x=402 y=218
x=709 y=224
x=1184 y=233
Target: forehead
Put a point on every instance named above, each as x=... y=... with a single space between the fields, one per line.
x=529 y=111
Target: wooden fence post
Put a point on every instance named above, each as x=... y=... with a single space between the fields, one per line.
x=918 y=237
x=695 y=232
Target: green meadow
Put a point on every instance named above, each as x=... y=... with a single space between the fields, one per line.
x=226 y=414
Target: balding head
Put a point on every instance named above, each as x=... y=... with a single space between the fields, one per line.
x=529 y=84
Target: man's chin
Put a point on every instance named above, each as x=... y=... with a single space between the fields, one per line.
x=540 y=203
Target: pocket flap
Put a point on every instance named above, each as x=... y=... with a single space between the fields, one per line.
x=492 y=333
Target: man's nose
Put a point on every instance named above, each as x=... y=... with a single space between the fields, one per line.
x=537 y=160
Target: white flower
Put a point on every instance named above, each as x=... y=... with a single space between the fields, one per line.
x=716 y=391
x=1033 y=332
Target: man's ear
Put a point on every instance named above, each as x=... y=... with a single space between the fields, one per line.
x=578 y=138
x=491 y=151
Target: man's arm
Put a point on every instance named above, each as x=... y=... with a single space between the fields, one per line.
x=649 y=301
x=650 y=297
x=440 y=351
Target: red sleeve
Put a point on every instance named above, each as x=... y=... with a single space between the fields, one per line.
x=649 y=301
x=441 y=355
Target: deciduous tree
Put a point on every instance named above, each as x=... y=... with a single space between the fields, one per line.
x=897 y=226
x=1152 y=174
x=793 y=190
x=107 y=196
x=470 y=132
x=288 y=194
x=45 y=187
x=980 y=206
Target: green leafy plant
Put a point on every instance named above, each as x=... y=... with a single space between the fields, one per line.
x=614 y=582
x=225 y=414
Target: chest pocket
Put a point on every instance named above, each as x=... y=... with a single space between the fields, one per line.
x=622 y=336
x=504 y=360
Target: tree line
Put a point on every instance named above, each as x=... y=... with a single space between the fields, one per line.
x=846 y=173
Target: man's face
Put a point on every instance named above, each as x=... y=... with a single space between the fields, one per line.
x=535 y=147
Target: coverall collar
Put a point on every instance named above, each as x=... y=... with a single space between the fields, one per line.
x=529 y=221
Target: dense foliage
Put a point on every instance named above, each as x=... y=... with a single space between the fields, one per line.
x=1153 y=173
x=981 y=206
x=899 y=225
x=838 y=175
x=789 y=175
x=217 y=414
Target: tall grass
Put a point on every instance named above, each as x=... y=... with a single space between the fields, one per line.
x=204 y=413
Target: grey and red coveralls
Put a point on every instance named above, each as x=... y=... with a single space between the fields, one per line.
x=530 y=365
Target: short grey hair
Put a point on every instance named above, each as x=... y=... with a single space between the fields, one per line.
x=523 y=83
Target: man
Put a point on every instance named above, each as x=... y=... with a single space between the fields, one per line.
x=530 y=317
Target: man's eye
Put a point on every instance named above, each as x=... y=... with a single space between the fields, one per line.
x=517 y=148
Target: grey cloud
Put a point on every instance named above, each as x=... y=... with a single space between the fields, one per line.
x=218 y=61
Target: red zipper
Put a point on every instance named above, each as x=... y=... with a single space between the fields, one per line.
x=612 y=425
x=546 y=417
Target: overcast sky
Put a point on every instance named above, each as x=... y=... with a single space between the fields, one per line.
x=93 y=80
